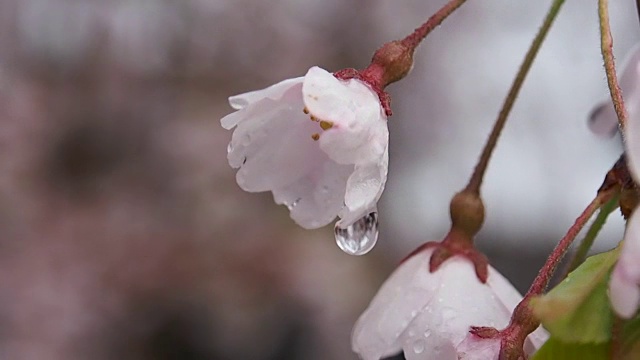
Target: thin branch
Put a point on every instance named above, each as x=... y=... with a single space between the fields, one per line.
x=414 y=39
x=606 y=46
x=586 y=243
x=541 y=281
x=478 y=173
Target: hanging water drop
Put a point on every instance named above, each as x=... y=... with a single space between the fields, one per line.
x=360 y=237
x=229 y=148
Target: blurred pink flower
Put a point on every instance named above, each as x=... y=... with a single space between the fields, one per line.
x=332 y=165
x=428 y=315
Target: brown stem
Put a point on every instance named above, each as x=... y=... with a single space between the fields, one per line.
x=606 y=46
x=584 y=247
x=478 y=173
x=615 y=351
x=541 y=281
x=413 y=40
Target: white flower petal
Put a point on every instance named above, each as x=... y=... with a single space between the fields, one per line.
x=356 y=145
x=474 y=348
x=364 y=189
x=624 y=294
x=624 y=285
x=429 y=347
x=348 y=103
x=316 y=198
x=359 y=133
x=261 y=100
x=273 y=92
x=439 y=308
x=407 y=292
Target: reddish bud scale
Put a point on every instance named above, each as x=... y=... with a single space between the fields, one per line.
x=467 y=216
x=392 y=62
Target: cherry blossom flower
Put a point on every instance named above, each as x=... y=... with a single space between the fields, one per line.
x=603 y=120
x=319 y=144
x=429 y=315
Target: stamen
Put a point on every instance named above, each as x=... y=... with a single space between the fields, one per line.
x=326 y=125
x=305 y=110
x=315 y=137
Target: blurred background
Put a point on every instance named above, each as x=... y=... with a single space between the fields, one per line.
x=124 y=236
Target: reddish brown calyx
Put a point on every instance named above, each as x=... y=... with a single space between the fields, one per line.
x=385 y=99
x=620 y=178
x=511 y=338
x=455 y=245
x=390 y=63
x=467 y=216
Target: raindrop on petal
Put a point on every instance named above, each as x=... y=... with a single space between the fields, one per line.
x=360 y=237
x=290 y=206
x=229 y=148
x=418 y=346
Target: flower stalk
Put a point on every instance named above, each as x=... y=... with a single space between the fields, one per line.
x=606 y=46
x=541 y=281
x=475 y=182
x=523 y=321
x=394 y=60
x=585 y=245
x=413 y=40
x=468 y=220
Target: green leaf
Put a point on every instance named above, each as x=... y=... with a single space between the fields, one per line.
x=578 y=310
x=555 y=349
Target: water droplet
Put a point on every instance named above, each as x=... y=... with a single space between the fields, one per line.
x=448 y=314
x=290 y=206
x=360 y=237
x=427 y=333
x=418 y=346
x=229 y=148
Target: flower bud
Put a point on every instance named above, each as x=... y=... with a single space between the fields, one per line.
x=391 y=63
